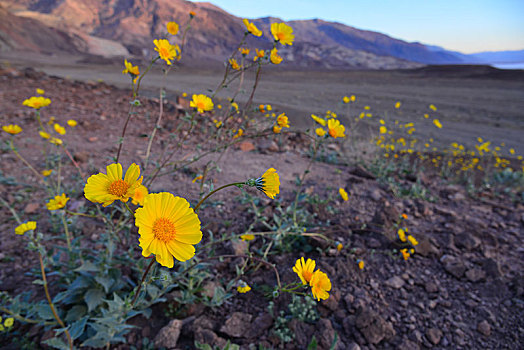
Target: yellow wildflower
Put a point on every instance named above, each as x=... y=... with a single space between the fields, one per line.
x=44 y=135
x=192 y=14
x=244 y=51
x=412 y=240
x=168 y=228
x=345 y=99
x=133 y=70
x=336 y=129
x=320 y=285
x=437 y=123
x=274 y=57
x=319 y=120
x=433 y=108
x=282 y=33
x=234 y=64
x=259 y=54
x=56 y=141
x=72 y=123
x=9 y=322
x=283 y=121
x=252 y=28
x=401 y=234
x=277 y=129
x=397 y=105
x=166 y=51
x=320 y=132
x=47 y=172
x=40 y=91
x=343 y=194
x=26 y=226
x=247 y=237
x=105 y=189
x=383 y=129
x=304 y=269
x=51 y=121
x=140 y=194
x=199 y=177
x=243 y=288
x=404 y=216
x=339 y=247
x=172 y=28
x=361 y=264
x=239 y=133
x=59 y=129
x=405 y=253
x=201 y=103
x=58 y=202
x=37 y=102
x=12 y=129
x=269 y=183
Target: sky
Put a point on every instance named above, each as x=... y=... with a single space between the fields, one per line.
x=467 y=26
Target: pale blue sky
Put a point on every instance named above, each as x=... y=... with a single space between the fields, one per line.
x=462 y=25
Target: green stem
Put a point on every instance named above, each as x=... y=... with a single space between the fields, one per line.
x=68 y=236
x=197 y=207
x=142 y=281
x=38 y=175
x=15 y=215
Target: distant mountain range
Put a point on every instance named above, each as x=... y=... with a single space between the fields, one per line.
x=124 y=28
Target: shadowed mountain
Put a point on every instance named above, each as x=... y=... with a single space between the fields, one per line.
x=122 y=27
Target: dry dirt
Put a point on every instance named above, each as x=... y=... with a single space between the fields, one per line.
x=462 y=289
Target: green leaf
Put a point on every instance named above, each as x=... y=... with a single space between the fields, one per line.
x=93 y=298
x=56 y=344
x=87 y=266
x=44 y=311
x=312 y=344
x=77 y=328
x=105 y=281
x=76 y=313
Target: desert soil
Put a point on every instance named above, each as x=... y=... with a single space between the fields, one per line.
x=462 y=289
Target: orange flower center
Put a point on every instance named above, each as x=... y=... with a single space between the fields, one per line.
x=164 y=52
x=281 y=36
x=307 y=275
x=118 y=188
x=332 y=132
x=164 y=230
x=201 y=105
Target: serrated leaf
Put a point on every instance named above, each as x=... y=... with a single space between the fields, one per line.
x=87 y=266
x=93 y=298
x=76 y=313
x=44 y=311
x=56 y=343
x=78 y=327
x=105 y=281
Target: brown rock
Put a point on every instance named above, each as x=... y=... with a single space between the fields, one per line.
x=395 y=282
x=237 y=324
x=475 y=275
x=31 y=208
x=453 y=265
x=260 y=325
x=81 y=157
x=434 y=335
x=484 y=328
x=246 y=146
x=303 y=332
x=267 y=145
x=167 y=337
x=373 y=326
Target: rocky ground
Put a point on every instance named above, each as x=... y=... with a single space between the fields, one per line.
x=462 y=289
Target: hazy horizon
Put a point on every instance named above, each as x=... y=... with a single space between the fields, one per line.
x=467 y=26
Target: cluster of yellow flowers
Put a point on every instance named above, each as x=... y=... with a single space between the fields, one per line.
x=317 y=280
x=335 y=128
x=168 y=227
